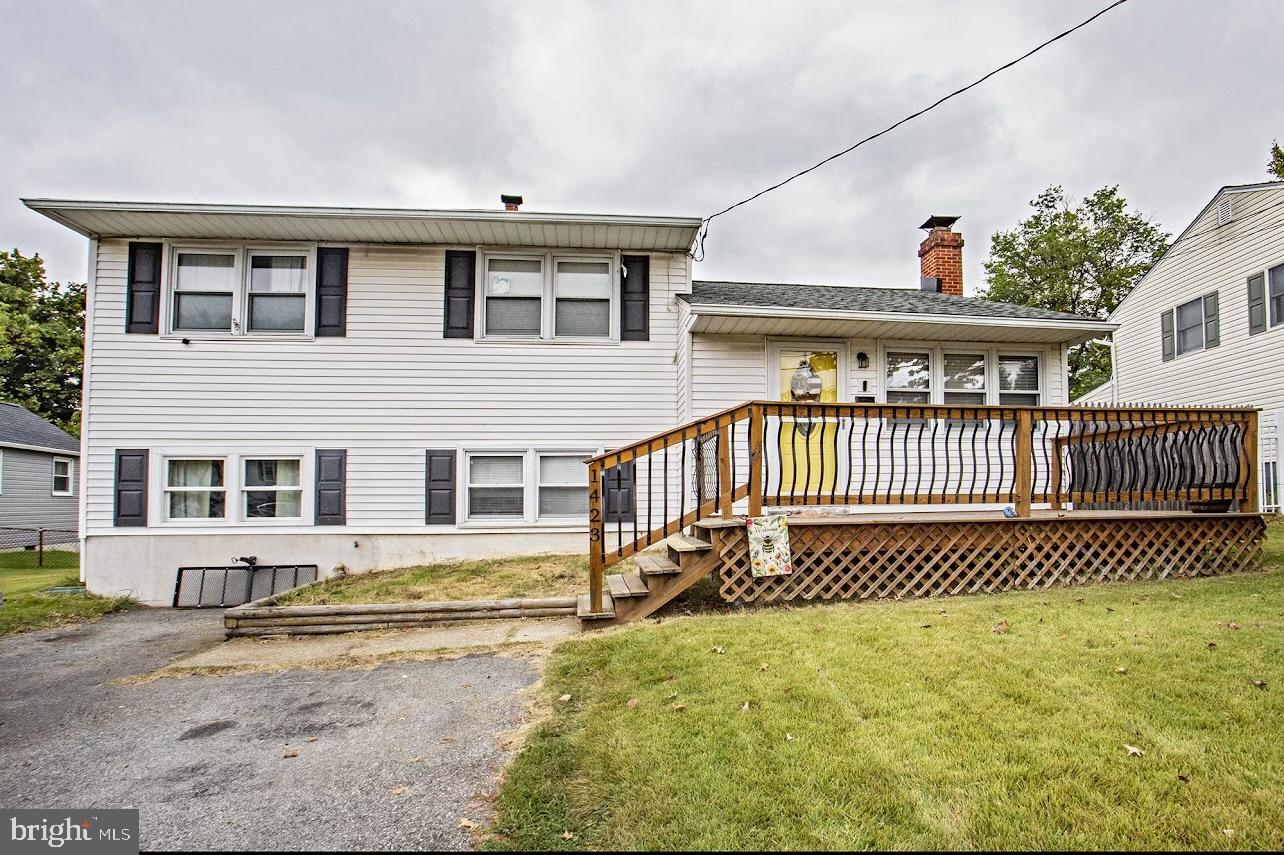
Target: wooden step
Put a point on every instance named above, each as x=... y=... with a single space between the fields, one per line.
x=687 y=543
x=656 y=565
x=623 y=586
x=583 y=612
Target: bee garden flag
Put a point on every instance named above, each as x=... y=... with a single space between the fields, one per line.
x=769 y=545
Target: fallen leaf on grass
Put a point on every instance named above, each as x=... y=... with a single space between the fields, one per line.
x=565 y=699
x=789 y=737
x=466 y=823
x=744 y=707
x=1183 y=779
x=1000 y=628
x=719 y=649
x=672 y=696
x=1261 y=684
x=1232 y=625
x=678 y=707
x=1078 y=599
x=1229 y=832
x=924 y=626
x=1134 y=751
x=632 y=702
x=567 y=835
x=1210 y=645
x=1121 y=670
x=763 y=666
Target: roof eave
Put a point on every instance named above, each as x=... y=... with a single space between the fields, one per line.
x=726 y=310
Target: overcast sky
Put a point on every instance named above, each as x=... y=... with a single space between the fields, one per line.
x=639 y=107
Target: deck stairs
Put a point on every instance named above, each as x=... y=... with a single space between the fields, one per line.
x=660 y=577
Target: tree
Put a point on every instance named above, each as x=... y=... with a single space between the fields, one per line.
x=1080 y=258
x=41 y=340
x=1276 y=165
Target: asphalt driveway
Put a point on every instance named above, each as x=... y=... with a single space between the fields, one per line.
x=386 y=758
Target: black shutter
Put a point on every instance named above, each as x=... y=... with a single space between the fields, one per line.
x=332 y=486
x=332 y=291
x=1166 y=332
x=1256 y=304
x=635 y=298
x=439 y=486
x=621 y=493
x=142 y=298
x=131 y=487
x=461 y=286
x=1212 y=326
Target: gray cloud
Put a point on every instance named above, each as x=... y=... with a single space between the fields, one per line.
x=657 y=107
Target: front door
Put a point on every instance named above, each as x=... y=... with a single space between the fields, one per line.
x=806 y=452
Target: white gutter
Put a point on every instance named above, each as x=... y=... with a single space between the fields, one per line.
x=56 y=209
x=61 y=452
x=730 y=311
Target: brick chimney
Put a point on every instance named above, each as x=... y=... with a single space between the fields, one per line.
x=940 y=257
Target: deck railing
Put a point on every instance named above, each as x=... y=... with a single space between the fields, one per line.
x=775 y=454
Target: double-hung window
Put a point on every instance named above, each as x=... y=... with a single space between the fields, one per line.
x=195 y=489
x=563 y=485
x=239 y=290
x=582 y=298
x=548 y=296
x=497 y=486
x=61 y=477
x=1276 y=297
x=514 y=296
x=909 y=378
x=205 y=288
x=1190 y=326
x=1020 y=380
x=271 y=488
x=278 y=291
x=965 y=378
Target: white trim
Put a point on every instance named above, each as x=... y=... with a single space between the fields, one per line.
x=992 y=352
x=900 y=317
x=530 y=518
x=233 y=488
x=53 y=477
x=59 y=451
x=241 y=252
x=548 y=300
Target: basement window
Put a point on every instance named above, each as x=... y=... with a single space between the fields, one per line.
x=496 y=486
x=195 y=489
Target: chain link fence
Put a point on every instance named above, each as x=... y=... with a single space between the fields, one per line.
x=55 y=548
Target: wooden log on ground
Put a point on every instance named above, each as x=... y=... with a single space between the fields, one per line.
x=403 y=618
x=403 y=608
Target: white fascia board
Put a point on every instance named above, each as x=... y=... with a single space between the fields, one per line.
x=730 y=311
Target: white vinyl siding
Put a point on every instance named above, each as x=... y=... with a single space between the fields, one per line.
x=388 y=390
x=1213 y=258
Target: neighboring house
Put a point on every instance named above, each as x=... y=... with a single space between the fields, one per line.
x=1206 y=324
x=379 y=388
x=38 y=478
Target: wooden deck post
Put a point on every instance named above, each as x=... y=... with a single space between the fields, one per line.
x=597 y=539
x=726 y=490
x=757 y=413
x=1024 y=461
x=1054 y=475
x=1250 y=463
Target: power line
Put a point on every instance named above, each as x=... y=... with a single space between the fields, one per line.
x=704 y=226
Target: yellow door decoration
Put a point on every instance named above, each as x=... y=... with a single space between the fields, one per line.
x=808 y=453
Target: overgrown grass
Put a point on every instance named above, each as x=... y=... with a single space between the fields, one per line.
x=25 y=607
x=525 y=576
x=970 y=722
x=54 y=559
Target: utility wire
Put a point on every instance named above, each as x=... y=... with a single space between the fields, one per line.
x=704 y=226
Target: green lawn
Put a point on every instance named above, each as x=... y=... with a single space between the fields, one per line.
x=26 y=608
x=970 y=722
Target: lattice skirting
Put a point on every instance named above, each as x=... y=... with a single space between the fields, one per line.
x=923 y=559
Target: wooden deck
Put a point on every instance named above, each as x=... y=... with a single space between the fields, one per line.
x=828 y=466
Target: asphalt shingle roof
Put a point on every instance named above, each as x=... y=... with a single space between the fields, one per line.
x=852 y=299
x=20 y=426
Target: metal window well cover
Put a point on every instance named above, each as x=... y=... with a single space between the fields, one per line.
x=220 y=587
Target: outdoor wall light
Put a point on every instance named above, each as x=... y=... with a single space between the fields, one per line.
x=862 y=360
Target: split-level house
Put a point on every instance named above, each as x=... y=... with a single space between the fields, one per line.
x=375 y=388
x=1206 y=324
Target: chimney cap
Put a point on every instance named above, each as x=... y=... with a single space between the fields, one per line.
x=510 y=202
x=937 y=221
